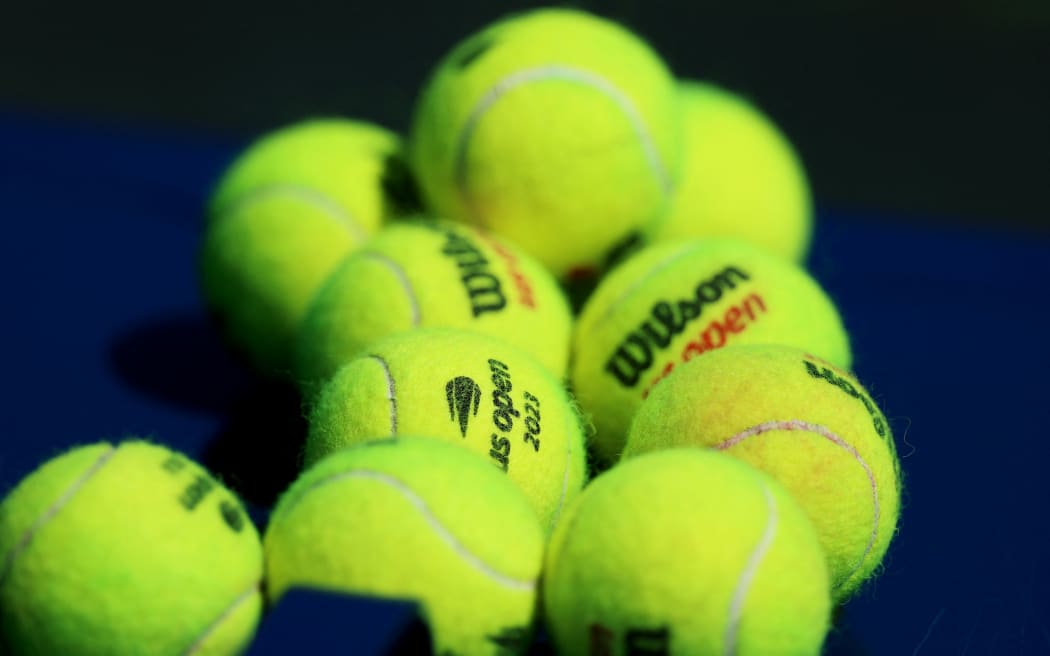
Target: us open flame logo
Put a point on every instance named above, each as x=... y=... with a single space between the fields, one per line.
x=463 y=396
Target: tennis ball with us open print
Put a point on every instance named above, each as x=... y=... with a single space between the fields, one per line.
x=467 y=388
x=429 y=274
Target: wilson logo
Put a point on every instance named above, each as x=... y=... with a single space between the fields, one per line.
x=667 y=319
x=463 y=396
x=482 y=286
x=826 y=374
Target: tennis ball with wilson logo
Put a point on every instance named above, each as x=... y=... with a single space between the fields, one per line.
x=808 y=424
x=670 y=303
x=427 y=274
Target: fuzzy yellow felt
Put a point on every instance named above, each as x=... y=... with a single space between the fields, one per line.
x=338 y=163
x=467 y=388
x=740 y=177
x=802 y=420
x=126 y=549
x=554 y=128
x=415 y=519
x=427 y=274
x=284 y=213
x=686 y=552
x=673 y=302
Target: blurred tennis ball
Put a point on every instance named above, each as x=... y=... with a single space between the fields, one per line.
x=740 y=177
x=284 y=213
x=554 y=128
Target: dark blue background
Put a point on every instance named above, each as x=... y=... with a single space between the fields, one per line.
x=104 y=336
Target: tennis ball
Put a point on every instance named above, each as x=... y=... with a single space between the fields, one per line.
x=672 y=302
x=414 y=519
x=354 y=170
x=553 y=128
x=804 y=421
x=740 y=177
x=467 y=388
x=293 y=205
x=428 y=273
x=126 y=549
x=686 y=552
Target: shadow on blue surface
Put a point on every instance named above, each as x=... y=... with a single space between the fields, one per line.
x=315 y=622
x=256 y=449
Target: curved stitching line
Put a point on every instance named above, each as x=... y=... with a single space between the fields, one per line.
x=795 y=424
x=686 y=250
x=310 y=196
x=53 y=509
x=391 y=392
x=198 y=644
x=402 y=278
x=424 y=510
x=564 y=482
x=557 y=72
x=736 y=606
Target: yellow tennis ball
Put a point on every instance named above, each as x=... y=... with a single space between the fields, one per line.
x=672 y=302
x=414 y=519
x=293 y=205
x=804 y=421
x=740 y=177
x=554 y=128
x=426 y=274
x=467 y=388
x=126 y=549
x=686 y=552
x=354 y=170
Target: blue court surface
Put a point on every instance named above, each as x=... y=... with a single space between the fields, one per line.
x=105 y=336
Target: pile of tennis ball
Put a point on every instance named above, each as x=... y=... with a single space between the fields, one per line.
x=676 y=460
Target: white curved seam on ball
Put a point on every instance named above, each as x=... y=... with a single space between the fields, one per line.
x=823 y=431
x=564 y=482
x=402 y=279
x=424 y=510
x=198 y=644
x=49 y=514
x=743 y=586
x=557 y=72
x=684 y=251
x=310 y=196
x=391 y=392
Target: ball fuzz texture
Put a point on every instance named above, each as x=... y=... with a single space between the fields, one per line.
x=415 y=519
x=804 y=421
x=285 y=212
x=740 y=177
x=686 y=552
x=425 y=274
x=126 y=549
x=475 y=391
x=554 y=128
x=671 y=303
